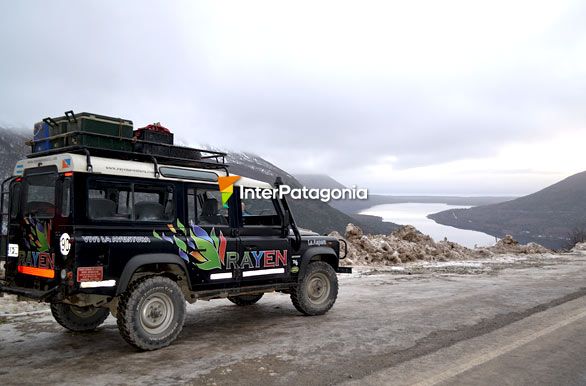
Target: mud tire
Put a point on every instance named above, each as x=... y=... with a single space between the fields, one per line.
x=317 y=290
x=79 y=319
x=151 y=313
x=245 y=300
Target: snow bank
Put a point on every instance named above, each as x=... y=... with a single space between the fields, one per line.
x=408 y=244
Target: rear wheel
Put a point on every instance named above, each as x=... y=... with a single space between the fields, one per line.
x=151 y=313
x=317 y=290
x=79 y=319
x=245 y=300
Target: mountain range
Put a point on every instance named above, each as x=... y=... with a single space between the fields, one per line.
x=548 y=217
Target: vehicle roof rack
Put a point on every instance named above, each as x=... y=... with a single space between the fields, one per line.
x=210 y=159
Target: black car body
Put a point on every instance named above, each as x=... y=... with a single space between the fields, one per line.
x=80 y=230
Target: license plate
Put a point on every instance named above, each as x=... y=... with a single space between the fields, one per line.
x=90 y=274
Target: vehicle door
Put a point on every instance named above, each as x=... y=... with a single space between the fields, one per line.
x=264 y=248
x=211 y=246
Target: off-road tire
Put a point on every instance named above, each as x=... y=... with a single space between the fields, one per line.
x=317 y=290
x=151 y=312
x=245 y=300
x=79 y=319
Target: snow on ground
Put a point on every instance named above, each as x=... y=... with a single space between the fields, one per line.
x=11 y=307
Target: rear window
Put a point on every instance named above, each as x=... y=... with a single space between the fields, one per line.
x=40 y=195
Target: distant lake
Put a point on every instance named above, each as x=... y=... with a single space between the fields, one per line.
x=415 y=214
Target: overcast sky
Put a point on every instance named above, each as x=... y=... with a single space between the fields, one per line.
x=426 y=97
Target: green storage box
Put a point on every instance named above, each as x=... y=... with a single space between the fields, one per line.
x=93 y=123
x=87 y=129
x=97 y=141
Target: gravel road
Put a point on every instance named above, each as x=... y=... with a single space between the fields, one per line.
x=383 y=320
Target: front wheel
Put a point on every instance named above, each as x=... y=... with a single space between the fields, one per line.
x=151 y=313
x=78 y=319
x=317 y=290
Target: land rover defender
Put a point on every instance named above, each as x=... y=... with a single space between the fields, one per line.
x=97 y=231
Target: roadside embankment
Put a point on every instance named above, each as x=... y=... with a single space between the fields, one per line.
x=408 y=244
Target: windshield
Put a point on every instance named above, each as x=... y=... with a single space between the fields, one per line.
x=40 y=195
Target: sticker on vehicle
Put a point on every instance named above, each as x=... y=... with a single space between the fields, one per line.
x=90 y=274
x=65 y=244
x=12 y=250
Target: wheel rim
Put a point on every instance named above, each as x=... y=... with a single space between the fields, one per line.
x=156 y=313
x=83 y=312
x=318 y=288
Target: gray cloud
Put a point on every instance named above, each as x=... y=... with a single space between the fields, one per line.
x=332 y=90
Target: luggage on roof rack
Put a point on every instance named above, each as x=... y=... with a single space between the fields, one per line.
x=99 y=135
x=164 y=150
x=154 y=133
x=157 y=140
x=83 y=129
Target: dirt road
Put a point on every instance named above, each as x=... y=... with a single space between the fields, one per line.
x=428 y=323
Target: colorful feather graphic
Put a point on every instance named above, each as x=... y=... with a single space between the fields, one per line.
x=201 y=233
x=207 y=249
x=197 y=256
x=180 y=244
x=222 y=248
x=214 y=238
x=183 y=255
x=167 y=238
x=181 y=227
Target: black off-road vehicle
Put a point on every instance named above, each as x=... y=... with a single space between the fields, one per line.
x=94 y=231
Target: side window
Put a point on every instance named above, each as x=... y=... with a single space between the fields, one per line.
x=137 y=202
x=109 y=201
x=154 y=203
x=259 y=211
x=205 y=207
